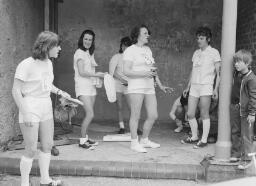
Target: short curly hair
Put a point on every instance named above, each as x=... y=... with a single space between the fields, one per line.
x=204 y=31
x=45 y=41
x=136 y=32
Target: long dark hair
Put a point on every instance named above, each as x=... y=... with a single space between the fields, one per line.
x=80 y=41
x=125 y=41
x=136 y=32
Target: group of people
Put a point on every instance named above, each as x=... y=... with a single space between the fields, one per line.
x=201 y=95
x=135 y=74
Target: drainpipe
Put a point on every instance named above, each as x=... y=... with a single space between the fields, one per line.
x=228 y=44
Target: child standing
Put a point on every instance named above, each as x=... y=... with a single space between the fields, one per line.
x=242 y=62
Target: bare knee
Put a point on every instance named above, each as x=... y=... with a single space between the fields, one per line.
x=90 y=115
x=47 y=147
x=30 y=152
x=152 y=116
x=204 y=115
x=190 y=115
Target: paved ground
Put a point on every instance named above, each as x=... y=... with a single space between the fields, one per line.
x=171 y=151
x=96 y=181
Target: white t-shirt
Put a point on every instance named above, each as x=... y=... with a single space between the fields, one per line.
x=37 y=76
x=203 y=71
x=118 y=59
x=89 y=65
x=142 y=60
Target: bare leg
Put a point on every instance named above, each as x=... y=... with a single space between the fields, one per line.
x=136 y=101
x=89 y=113
x=151 y=108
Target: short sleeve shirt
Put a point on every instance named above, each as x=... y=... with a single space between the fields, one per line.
x=89 y=65
x=203 y=71
x=142 y=60
x=37 y=76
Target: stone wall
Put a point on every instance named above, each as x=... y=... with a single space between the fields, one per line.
x=20 y=22
x=172 y=22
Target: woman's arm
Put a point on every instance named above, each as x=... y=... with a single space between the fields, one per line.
x=82 y=72
x=216 y=88
x=162 y=87
x=57 y=91
x=17 y=95
x=112 y=65
x=136 y=74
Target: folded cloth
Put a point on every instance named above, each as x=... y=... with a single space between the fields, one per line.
x=109 y=84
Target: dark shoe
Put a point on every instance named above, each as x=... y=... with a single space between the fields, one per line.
x=139 y=132
x=92 y=143
x=86 y=146
x=53 y=183
x=121 y=131
x=188 y=140
x=200 y=144
x=55 y=151
x=245 y=165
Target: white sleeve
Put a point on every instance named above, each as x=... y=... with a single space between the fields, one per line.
x=216 y=56
x=22 y=72
x=128 y=54
x=78 y=55
x=194 y=56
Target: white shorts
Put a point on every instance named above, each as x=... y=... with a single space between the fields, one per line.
x=120 y=88
x=142 y=91
x=39 y=109
x=85 y=90
x=198 y=90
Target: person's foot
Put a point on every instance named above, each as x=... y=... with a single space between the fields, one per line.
x=121 y=131
x=179 y=129
x=149 y=144
x=53 y=183
x=245 y=165
x=138 y=147
x=189 y=140
x=92 y=143
x=200 y=144
x=86 y=146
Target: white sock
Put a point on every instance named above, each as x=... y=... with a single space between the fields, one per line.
x=193 y=125
x=121 y=124
x=206 y=129
x=82 y=140
x=143 y=140
x=44 y=163
x=25 y=168
x=134 y=141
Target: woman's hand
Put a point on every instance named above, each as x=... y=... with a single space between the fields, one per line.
x=166 y=89
x=149 y=74
x=215 y=95
x=100 y=74
x=185 y=92
x=63 y=94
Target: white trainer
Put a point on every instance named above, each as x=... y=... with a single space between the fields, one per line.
x=149 y=144
x=135 y=146
x=179 y=129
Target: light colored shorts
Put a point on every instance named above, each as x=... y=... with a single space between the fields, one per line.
x=142 y=91
x=120 y=88
x=85 y=91
x=198 y=90
x=39 y=109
